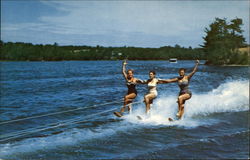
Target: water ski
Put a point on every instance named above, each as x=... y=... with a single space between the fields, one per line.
x=139 y=117
x=118 y=114
x=170 y=119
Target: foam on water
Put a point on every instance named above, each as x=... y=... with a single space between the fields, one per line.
x=228 y=97
x=68 y=138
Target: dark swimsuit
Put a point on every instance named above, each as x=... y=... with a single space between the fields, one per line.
x=131 y=88
x=184 y=88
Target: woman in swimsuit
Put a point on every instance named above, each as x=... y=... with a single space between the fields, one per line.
x=183 y=82
x=132 y=92
x=152 y=91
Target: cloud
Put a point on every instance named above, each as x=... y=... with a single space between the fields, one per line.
x=159 y=17
x=124 y=17
x=125 y=22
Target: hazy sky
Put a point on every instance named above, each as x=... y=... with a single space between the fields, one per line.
x=116 y=23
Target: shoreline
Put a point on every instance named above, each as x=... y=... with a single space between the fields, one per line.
x=229 y=65
x=235 y=65
x=97 y=60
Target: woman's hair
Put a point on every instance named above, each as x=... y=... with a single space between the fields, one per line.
x=130 y=70
x=152 y=72
x=182 y=69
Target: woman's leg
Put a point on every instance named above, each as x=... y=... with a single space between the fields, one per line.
x=181 y=100
x=127 y=99
x=148 y=99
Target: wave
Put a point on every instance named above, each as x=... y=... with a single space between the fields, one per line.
x=228 y=97
x=67 y=138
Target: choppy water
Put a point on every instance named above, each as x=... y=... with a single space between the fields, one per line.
x=215 y=124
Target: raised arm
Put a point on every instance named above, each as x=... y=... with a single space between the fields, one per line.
x=124 y=70
x=194 y=70
x=161 y=81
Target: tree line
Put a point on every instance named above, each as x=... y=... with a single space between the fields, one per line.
x=221 y=46
x=26 y=51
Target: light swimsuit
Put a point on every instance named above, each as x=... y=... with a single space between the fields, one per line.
x=152 y=89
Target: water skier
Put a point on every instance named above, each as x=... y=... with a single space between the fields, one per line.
x=152 y=90
x=183 y=82
x=132 y=92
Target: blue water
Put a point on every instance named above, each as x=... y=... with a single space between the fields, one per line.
x=215 y=123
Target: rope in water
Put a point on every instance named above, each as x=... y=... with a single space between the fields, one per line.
x=60 y=112
x=54 y=125
x=58 y=125
x=23 y=131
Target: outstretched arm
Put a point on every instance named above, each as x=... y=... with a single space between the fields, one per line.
x=141 y=81
x=124 y=70
x=194 y=70
x=161 y=81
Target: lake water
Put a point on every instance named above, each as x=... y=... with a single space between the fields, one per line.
x=85 y=94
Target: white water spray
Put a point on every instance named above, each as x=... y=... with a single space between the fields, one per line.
x=228 y=97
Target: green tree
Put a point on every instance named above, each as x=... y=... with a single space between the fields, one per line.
x=222 y=41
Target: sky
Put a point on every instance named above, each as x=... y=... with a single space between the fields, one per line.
x=116 y=23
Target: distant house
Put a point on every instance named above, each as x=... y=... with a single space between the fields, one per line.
x=81 y=50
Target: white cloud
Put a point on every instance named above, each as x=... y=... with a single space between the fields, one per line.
x=21 y=26
x=183 y=19
x=159 y=17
